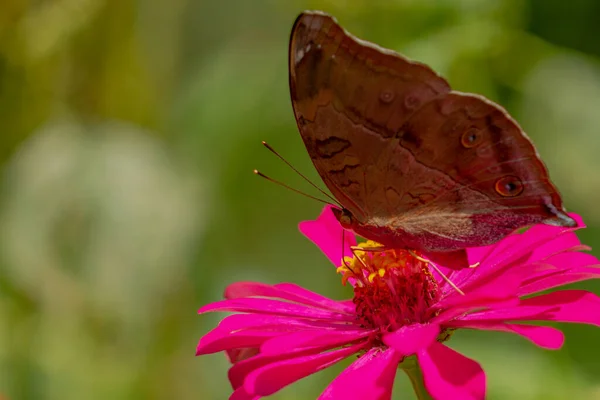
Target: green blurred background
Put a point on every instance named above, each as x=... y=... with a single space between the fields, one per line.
x=129 y=131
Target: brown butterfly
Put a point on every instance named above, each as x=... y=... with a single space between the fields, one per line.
x=413 y=163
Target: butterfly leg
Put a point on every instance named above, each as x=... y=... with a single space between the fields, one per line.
x=415 y=255
x=432 y=265
x=455 y=259
x=369 y=249
x=358 y=258
x=426 y=261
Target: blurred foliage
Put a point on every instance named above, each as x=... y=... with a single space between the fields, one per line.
x=129 y=133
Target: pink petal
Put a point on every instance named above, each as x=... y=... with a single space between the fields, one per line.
x=326 y=233
x=512 y=312
x=275 y=307
x=460 y=278
x=559 y=279
x=495 y=287
x=296 y=341
x=273 y=377
x=543 y=336
x=450 y=375
x=485 y=271
x=478 y=254
x=568 y=267
x=563 y=261
x=519 y=271
x=577 y=306
x=411 y=338
x=560 y=243
x=285 y=291
x=572 y=259
x=251 y=330
x=242 y=394
x=483 y=306
x=239 y=371
x=369 y=377
x=500 y=252
x=237 y=322
x=216 y=341
x=317 y=299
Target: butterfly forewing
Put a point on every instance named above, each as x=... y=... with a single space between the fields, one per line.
x=350 y=99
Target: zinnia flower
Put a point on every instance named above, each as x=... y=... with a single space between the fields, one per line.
x=401 y=315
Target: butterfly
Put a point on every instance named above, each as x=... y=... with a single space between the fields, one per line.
x=413 y=163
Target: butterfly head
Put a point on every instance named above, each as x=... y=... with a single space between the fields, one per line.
x=345 y=218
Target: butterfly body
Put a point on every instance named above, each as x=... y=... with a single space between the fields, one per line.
x=414 y=164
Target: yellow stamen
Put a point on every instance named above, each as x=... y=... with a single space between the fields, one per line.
x=345 y=278
x=372 y=276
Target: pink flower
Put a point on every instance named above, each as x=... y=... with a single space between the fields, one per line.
x=402 y=313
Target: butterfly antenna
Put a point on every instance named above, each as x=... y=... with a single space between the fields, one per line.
x=257 y=172
x=272 y=150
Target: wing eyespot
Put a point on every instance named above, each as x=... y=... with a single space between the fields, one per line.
x=386 y=96
x=509 y=186
x=412 y=102
x=471 y=138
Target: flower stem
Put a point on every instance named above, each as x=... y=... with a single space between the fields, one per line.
x=413 y=370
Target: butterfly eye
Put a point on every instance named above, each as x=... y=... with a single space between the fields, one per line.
x=509 y=186
x=471 y=138
x=345 y=220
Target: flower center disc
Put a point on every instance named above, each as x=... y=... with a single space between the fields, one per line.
x=392 y=288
